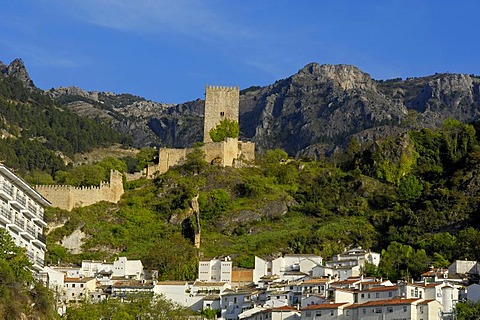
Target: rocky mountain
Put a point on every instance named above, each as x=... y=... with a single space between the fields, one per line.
x=312 y=112
x=16 y=69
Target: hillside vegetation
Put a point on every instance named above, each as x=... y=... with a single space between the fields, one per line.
x=38 y=136
x=413 y=198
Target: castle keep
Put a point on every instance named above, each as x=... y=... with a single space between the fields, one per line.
x=220 y=103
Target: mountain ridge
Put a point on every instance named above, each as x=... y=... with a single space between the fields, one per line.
x=311 y=113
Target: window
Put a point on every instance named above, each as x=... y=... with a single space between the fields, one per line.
x=390 y=294
x=404 y=308
x=235 y=300
x=364 y=311
x=222 y=113
x=377 y=295
x=362 y=295
x=378 y=310
x=332 y=312
x=347 y=312
x=308 y=314
x=73 y=285
x=318 y=313
x=389 y=309
x=81 y=285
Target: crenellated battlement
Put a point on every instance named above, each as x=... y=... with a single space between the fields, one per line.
x=222 y=88
x=68 y=197
x=66 y=186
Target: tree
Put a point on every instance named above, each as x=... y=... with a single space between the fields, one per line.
x=225 y=129
x=410 y=188
x=20 y=296
x=195 y=162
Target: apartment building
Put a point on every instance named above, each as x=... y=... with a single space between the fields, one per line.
x=21 y=214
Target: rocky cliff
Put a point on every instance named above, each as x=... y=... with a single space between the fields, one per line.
x=312 y=112
x=16 y=69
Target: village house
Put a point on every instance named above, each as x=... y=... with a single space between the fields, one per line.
x=278 y=313
x=215 y=270
x=288 y=267
x=79 y=289
x=324 y=311
x=391 y=309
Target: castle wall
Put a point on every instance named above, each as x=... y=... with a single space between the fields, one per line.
x=169 y=157
x=224 y=151
x=69 y=197
x=246 y=151
x=220 y=103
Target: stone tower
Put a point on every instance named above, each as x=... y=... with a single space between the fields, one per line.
x=220 y=103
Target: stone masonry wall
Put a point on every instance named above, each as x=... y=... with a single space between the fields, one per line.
x=69 y=197
x=220 y=103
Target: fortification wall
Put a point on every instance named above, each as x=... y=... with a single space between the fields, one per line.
x=69 y=197
x=169 y=157
x=220 y=103
x=222 y=153
x=246 y=151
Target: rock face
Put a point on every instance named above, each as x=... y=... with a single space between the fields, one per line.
x=17 y=70
x=316 y=108
x=313 y=112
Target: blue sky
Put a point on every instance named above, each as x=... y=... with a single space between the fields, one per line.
x=167 y=51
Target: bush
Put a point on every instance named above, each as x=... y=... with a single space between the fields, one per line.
x=225 y=129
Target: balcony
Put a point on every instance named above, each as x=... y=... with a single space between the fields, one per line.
x=17 y=225
x=39 y=261
x=40 y=240
x=29 y=233
x=6 y=192
x=39 y=220
x=22 y=200
x=31 y=211
x=4 y=215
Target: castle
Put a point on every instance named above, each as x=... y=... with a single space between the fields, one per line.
x=69 y=197
x=220 y=103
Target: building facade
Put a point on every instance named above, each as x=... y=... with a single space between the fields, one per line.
x=22 y=215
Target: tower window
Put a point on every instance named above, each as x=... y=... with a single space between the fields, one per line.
x=222 y=113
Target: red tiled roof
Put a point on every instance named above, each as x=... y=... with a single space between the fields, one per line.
x=323 y=306
x=321 y=280
x=388 y=302
x=381 y=288
x=283 y=308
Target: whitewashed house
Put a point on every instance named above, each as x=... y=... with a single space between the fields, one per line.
x=215 y=270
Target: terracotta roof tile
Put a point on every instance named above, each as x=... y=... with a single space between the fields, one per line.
x=323 y=306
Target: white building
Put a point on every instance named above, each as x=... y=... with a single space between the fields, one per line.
x=180 y=292
x=414 y=309
x=325 y=311
x=278 y=313
x=79 y=289
x=131 y=269
x=21 y=214
x=215 y=270
x=285 y=266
